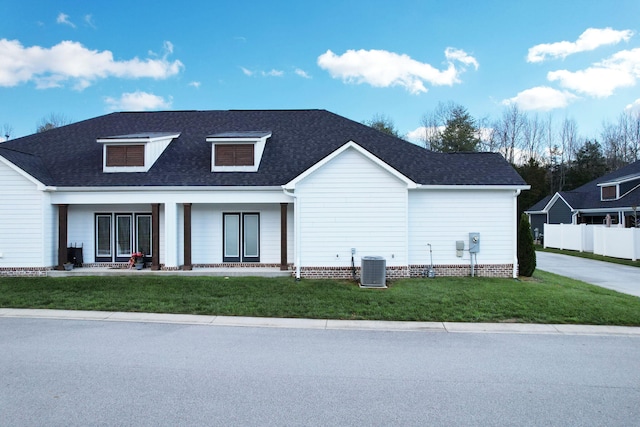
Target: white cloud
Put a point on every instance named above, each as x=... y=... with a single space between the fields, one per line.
x=71 y=61
x=195 y=84
x=380 y=68
x=272 y=73
x=600 y=80
x=634 y=107
x=300 y=72
x=88 y=20
x=63 y=18
x=138 y=101
x=591 y=39
x=541 y=98
x=417 y=135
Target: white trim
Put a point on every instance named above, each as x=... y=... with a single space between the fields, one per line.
x=292 y=184
x=136 y=140
x=141 y=188
x=451 y=187
x=258 y=148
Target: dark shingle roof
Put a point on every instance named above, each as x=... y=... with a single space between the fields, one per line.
x=69 y=156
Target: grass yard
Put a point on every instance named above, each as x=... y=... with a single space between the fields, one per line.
x=545 y=298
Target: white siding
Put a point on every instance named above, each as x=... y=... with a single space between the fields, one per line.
x=352 y=203
x=22 y=228
x=440 y=217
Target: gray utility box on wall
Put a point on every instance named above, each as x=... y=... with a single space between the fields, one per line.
x=474 y=242
x=373 y=272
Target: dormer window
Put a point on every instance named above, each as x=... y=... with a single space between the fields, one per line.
x=234 y=155
x=237 y=151
x=609 y=192
x=125 y=155
x=134 y=152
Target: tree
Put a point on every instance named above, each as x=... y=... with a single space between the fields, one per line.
x=526 y=250
x=5 y=132
x=536 y=176
x=589 y=164
x=384 y=124
x=460 y=132
x=450 y=128
x=509 y=131
x=52 y=121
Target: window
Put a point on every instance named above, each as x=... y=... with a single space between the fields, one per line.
x=234 y=154
x=125 y=155
x=241 y=240
x=609 y=192
x=118 y=235
x=103 y=237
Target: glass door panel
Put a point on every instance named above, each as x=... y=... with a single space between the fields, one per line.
x=103 y=236
x=251 y=237
x=123 y=236
x=231 y=245
x=143 y=234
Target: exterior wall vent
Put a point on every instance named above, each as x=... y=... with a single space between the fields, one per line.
x=373 y=272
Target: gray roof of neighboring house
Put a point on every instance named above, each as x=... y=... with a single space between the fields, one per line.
x=69 y=156
x=588 y=195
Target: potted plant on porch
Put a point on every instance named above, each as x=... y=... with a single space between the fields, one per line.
x=136 y=260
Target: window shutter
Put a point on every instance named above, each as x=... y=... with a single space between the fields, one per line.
x=135 y=155
x=124 y=155
x=609 y=193
x=117 y=155
x=234 y=155
x=244 y=155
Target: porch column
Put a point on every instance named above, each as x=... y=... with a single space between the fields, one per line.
x=187 y=237
x=63 y=212
x=155 y=236
x=283 y=236
x=171 y=235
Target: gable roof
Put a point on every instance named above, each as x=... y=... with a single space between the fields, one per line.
x=588 y=196
x=69 y=156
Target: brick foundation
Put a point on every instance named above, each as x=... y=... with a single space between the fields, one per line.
x=453 y=270
x=24 y=271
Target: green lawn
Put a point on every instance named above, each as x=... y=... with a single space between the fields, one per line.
x=545 y=298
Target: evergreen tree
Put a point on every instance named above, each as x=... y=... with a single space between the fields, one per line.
x=460 y=132
x=526 y=250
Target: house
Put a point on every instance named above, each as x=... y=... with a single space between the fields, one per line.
x=614 y=197
x=306 y=191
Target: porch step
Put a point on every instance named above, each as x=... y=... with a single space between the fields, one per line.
x=222 y=272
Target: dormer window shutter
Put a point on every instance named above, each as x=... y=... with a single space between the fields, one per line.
x=234 y=154
x=125 y=155
x=609 y=192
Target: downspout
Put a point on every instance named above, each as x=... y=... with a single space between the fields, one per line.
x=296 y=229
x=515 y=234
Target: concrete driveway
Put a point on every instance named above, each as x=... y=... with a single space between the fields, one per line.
x=620 y=278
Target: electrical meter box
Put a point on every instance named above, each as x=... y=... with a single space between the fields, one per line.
x=474 y=242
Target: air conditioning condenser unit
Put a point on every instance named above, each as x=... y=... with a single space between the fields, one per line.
x=373 y=272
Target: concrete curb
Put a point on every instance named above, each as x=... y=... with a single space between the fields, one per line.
x=371 y=325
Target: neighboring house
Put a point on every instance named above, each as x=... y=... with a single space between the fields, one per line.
x=616 y=194
x=296 y=190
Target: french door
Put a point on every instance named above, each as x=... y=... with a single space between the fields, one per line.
x=241 y=237
x=119 y=235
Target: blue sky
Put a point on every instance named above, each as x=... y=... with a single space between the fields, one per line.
x=81 y=59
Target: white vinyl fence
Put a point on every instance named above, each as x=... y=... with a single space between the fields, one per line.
x=608 y=241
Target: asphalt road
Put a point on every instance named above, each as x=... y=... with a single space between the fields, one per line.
x=621 y=278
x=78 y=373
